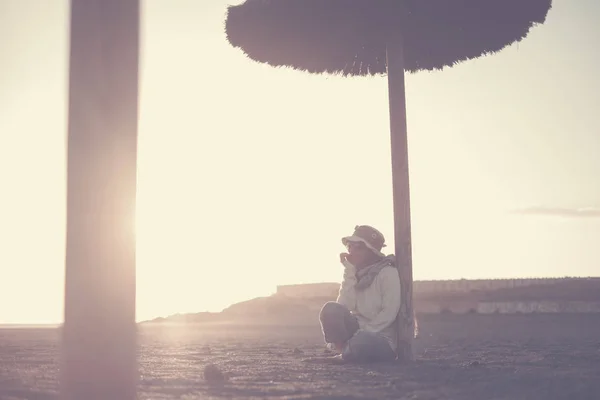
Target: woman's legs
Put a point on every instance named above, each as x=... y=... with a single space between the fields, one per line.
x=368 y=347
x=337 y=323
x=341 y=328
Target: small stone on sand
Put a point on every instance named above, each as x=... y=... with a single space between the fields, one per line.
x=213 y=374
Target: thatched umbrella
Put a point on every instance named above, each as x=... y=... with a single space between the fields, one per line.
x=99 y=332
x=375 y=37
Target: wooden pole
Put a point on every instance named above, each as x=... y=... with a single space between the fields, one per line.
x=99 y=332
x=401 y=190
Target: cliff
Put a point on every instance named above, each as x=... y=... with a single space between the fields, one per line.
x=297 y=303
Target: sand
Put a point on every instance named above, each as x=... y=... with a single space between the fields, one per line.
x=475 y=357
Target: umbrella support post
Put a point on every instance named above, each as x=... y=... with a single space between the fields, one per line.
x=401 y=193
x=99 y=333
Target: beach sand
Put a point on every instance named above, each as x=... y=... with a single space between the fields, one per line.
x=478 y=357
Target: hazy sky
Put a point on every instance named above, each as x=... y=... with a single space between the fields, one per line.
x=249 y=175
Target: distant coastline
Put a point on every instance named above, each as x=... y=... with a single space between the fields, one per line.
x=29 y=326
x=296 y=303
x=301 y=302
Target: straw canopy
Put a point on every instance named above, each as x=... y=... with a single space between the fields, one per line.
x=349 y=37
x=376 y=37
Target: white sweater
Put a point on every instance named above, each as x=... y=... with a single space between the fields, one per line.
x=377 y=306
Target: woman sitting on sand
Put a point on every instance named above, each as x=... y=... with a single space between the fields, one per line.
x=360 y=325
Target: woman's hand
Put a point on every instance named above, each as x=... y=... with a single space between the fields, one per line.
x=346 y=260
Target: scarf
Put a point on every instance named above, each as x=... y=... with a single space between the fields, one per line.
x=365 y=276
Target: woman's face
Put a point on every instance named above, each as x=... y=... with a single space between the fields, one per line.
x=359 y=254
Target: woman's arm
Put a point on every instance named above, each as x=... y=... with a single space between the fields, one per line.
x=389 y=286
x=347 y=293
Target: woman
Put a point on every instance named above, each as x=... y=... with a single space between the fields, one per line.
x=360 y=325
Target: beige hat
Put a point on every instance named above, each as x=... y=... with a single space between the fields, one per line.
x=368 y=235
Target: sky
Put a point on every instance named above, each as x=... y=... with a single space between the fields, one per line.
x=250 y=175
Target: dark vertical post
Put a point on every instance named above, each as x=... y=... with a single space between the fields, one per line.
x=99 y=332
x=401 y=189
